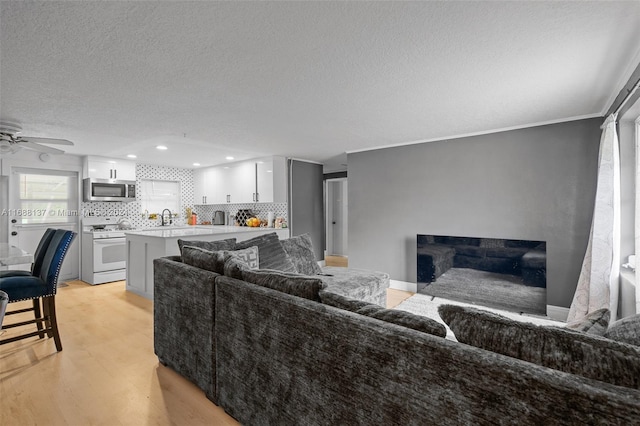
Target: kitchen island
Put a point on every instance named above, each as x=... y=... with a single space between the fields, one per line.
x=144 y=246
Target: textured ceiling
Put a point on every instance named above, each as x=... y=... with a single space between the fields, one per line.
x=304 y=79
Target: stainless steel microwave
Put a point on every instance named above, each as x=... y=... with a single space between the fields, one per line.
x=108 y=190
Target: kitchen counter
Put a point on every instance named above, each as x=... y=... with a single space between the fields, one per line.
x=146 y=245
x=197 y=230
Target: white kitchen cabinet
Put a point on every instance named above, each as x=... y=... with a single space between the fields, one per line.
x=264 y=180
x=241 y=182
x=271 y=182
x=204 y=185
x=109 y=168
x=259 y=180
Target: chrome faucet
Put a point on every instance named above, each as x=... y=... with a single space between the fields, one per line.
x=162 y=223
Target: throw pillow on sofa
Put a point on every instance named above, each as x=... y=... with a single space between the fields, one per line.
x=234 y=265
x=272 y=255
x=203 y=259
x=228 y=244
x=215 y=260
x=561 y=349
x=300 y=250
x=294 y=284
x=594 y=323
x=626 y=330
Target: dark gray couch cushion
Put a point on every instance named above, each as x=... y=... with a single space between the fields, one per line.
x=294 y=284
x=203 y=258
x=405 y=319
x=595 y=323
x=343 y=302
x=300 y=250
x=558 y=348
x=215 y=260
x=360 y=284
x=234 y=265
x=272 y=255
x=228 y=244
x=626 y=330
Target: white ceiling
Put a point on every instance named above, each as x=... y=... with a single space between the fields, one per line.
x=310 y=80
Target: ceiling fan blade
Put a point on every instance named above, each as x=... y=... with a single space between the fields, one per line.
x=48 y=141
x=42 y=148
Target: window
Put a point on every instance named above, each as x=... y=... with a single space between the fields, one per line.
x=157 y=195
x=46 y=197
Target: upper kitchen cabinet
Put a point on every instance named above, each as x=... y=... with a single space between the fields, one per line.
x=260 y=180
x=208 y=186
x=109 y=168
x=271 y=180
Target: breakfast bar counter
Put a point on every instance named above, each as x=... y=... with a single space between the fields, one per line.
x=144 y=246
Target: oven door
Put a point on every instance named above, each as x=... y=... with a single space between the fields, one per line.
x=109 y=254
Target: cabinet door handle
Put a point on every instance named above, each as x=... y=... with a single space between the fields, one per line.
x=228 y=198
x=115 y=173
x=110 y=173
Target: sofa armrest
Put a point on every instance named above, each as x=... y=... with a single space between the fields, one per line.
x=183 y=313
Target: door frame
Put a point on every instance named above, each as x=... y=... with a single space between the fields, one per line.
x=328 y=215
x=25 y=159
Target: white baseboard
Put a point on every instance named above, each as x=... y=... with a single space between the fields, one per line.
x=403 y=285
x=557 y=313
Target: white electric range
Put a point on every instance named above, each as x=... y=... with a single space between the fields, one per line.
x=103 y=249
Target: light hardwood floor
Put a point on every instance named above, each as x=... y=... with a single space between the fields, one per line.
x=340 y=261
x=107 y=373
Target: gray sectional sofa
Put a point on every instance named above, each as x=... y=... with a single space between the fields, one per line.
x=285 y=350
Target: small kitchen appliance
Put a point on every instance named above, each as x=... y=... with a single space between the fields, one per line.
x=218 y=217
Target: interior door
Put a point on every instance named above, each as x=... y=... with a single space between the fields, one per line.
x=337 y=205
x=41 y=199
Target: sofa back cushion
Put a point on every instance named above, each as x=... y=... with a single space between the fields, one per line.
x=300 y=250
x=228 y=244
x=294 y=284
x=558 y=348
x=626 y=330
x=405 y=319
x=272 y=255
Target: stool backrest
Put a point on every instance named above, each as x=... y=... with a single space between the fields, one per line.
x=41 y=250
x=53 y=258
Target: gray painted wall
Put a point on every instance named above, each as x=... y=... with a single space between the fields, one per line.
x=306 y=203
x=533 y=184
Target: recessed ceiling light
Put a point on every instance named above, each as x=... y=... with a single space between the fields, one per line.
x=132 y=156
x=269 y=171
x=196 y=164
x=161 y=147
x=229 y=158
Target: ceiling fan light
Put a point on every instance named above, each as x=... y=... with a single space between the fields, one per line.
x=7 y=147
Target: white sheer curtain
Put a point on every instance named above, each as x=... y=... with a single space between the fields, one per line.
x=598 y=285
x=637 y=217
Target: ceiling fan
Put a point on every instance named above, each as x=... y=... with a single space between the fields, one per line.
x=11 y=142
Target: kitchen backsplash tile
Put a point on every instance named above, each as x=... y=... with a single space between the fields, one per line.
x=133 y=210
x=139 y=219
x=205 y=212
